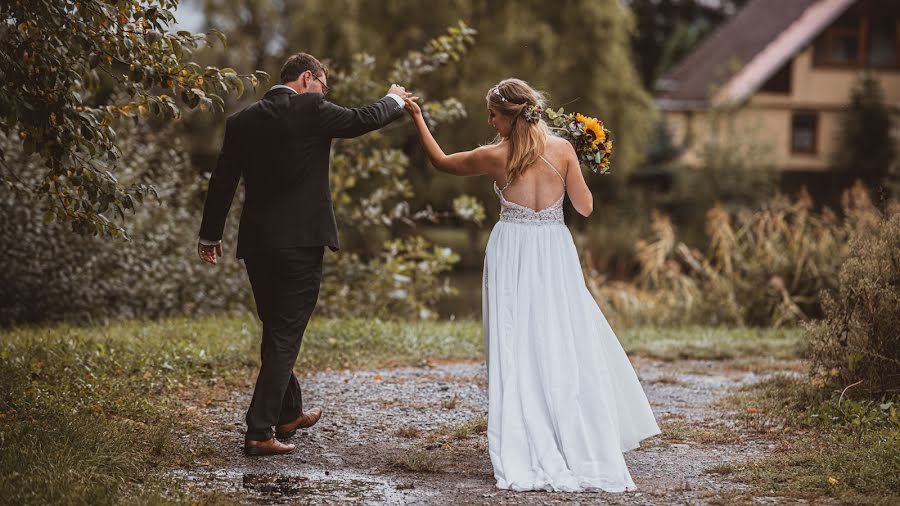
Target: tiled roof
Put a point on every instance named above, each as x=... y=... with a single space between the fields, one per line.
x=735 y=44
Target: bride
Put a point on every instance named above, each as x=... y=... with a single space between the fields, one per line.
x=563 y=400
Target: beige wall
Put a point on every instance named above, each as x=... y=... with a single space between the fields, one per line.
x=829 y=86
x=766 y=118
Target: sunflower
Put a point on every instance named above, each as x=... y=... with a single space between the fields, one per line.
x=594 y=127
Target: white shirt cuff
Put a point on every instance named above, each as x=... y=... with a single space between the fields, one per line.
x=399 y=100
x=207 y=242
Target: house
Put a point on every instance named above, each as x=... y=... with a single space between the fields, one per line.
x=779 y=74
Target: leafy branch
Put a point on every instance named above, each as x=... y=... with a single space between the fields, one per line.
x=60 y=57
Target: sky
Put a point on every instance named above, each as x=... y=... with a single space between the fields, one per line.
x=189 y=15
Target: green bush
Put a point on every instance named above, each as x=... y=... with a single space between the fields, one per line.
x=858 y=342
x=52 y=273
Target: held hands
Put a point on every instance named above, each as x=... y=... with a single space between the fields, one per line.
x=400 y=91
x=412 y=107
x=209 y=253
x=407 y=97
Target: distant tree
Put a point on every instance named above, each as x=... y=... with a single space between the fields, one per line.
x=666 y=31
x=863 y=140
x=661 y=149
x=69 y=70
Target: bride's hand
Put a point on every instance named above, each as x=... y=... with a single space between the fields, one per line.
x=412 y=107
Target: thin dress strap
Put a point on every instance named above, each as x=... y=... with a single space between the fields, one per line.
x=501 y=190
x=554 y=170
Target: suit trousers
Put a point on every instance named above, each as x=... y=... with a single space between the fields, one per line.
x=285 y=284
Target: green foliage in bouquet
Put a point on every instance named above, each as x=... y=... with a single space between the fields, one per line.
x=591 y=139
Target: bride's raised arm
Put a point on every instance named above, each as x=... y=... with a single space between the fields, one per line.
x=464 y=163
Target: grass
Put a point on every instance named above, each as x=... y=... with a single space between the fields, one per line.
x=723 y=469
x=88 y=413
x=450 y=403
x=428 y=460
x=93 y=415
x=408 y=431
x=712 y=343
x=666 y=379
x=418 y=461
x=826 y=446
x=678 y=431
x=459 y=431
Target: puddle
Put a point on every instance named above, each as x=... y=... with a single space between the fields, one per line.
x=308 y=486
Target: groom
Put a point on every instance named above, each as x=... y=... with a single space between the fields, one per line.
x=281 y=146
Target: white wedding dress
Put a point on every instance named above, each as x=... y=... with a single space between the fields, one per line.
x=564 y=402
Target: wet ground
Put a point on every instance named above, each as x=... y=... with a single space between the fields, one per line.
x=416 y=436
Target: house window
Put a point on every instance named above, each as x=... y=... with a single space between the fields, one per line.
x=883 y=43
x=804 y=130
x=866 y=35
x=842 y=44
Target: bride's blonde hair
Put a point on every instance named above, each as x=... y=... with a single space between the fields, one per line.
x=511 y=97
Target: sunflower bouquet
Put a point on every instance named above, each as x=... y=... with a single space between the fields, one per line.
x=592 y=141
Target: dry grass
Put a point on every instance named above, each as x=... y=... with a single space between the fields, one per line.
x=417 y=461
x=450 y=403
x=458 y=431
x=762 y=267
x=667 y=379
x=408 y=431
x=680 y=431
x=722 y=469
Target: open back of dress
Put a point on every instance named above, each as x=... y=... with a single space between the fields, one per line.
x=533 y=186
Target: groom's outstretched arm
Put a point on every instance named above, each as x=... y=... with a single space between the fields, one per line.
x=342 y=122
x=222 y=186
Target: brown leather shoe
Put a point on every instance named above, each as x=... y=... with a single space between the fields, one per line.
x=268 y=447
x=305 y=420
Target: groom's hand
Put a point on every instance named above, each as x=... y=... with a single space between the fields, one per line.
x=209 y=252
x=398 y=90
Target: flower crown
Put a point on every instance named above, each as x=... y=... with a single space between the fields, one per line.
x=531 y=113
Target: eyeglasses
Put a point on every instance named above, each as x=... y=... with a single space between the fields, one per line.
x=324 y=86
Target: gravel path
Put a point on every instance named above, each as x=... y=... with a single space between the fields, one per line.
x=352 y=454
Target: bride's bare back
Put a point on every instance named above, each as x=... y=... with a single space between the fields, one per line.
x=541 y=184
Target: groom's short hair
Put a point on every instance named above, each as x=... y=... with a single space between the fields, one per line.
x=298 y=64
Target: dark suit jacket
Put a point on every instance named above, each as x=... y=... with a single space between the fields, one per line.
x=281 y=146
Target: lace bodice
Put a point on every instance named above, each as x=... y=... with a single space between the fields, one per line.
x=510 y=211
x=516 y=213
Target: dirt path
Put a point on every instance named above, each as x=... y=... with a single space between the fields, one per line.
x=357 y=452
